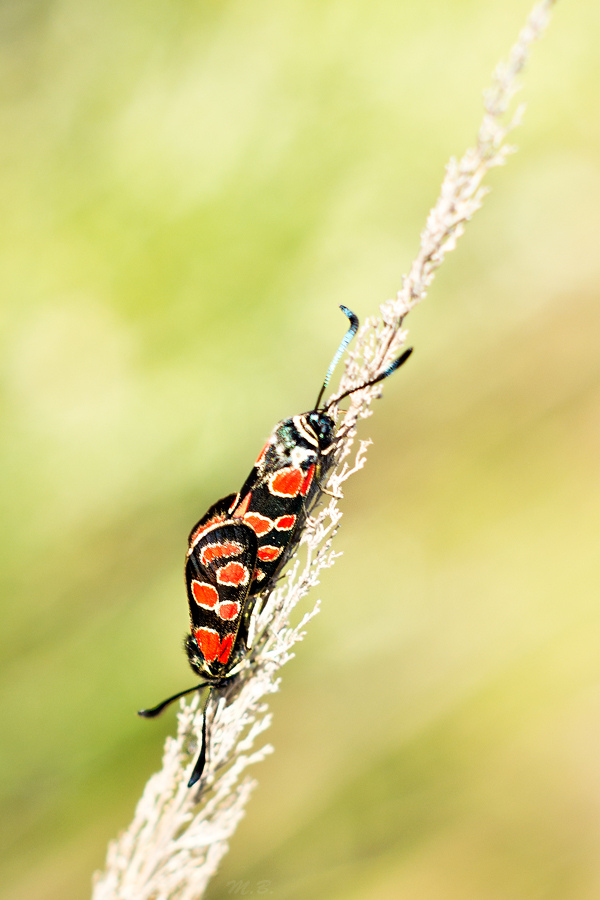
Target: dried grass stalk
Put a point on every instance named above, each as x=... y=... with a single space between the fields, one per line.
x=178 y=836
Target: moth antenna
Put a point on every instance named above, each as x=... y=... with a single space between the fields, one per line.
x=201 y=761
x=354 y=323
x=156 y=710
x=389 y=371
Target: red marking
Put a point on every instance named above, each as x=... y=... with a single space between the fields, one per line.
x=196 y=534
x=200 y=531
x=260 y=524
x=262 y=453
x=234 y=574
x=285 y=523
x=268 y=554
x=258 y=575
x=219 y=551
x=205 y=594
x=210 y=645
x=228 y=610
x=308 y=480
x=226 y=645
x=287 y=482
x=241 y=510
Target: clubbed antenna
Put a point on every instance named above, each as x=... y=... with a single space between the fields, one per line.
x=156 y=710
x=354 y=323
x=389 y=371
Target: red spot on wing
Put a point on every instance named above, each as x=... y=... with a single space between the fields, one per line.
x=229 y=610
x=287 y=482
x=205 y=594
x=285 y=523
x=194 y=538
x=208 y=642
x=196 y=534
x=260 y=524
x=219 y=551
x=211 y=646
x=308 y=480
x=225 y=648
x=233 y=574
x=243 y=507
x=268 y=554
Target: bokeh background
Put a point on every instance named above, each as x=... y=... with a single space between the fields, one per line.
x=189 y=189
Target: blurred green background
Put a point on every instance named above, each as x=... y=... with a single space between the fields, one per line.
x=189 y=189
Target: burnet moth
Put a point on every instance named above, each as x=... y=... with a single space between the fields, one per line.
x=238 y=548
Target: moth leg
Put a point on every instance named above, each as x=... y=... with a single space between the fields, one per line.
x=332 y=494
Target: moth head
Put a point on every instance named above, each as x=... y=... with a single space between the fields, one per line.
x=323 y=428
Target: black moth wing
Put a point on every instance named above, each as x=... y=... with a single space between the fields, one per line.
x=283 y=487
x=218 y=573
x=301 y=507
x=278 y=543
